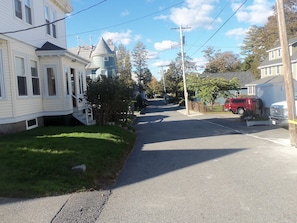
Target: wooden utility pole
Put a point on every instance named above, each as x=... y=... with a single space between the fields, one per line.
x=183 y=67
x=290 y=95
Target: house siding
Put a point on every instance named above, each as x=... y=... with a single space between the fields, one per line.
x=34 y=46
x=34 y=37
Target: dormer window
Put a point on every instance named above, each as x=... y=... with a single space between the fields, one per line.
x=272 y=54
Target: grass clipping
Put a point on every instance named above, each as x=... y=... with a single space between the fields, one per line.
x=39 y=162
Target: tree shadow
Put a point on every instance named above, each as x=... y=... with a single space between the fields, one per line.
x=169 y=142
x=144 y=165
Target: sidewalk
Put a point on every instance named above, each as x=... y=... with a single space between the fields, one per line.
x=76 y=207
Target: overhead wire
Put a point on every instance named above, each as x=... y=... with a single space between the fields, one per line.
x=219 y=28
x=130 y=21
x=55 y=21
x=212 y=22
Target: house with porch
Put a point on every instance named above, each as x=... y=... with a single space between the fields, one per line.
x=40 y=80
x=271 y=86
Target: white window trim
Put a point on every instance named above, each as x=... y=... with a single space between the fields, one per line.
x=2 y=83
x=252 y=90
x=38 y=77
x=23 y=11
x=277 y=69
x=67 y=81
x=46 y=82
x=32 y=126
x=81 y=82
x=51 y=16
x=25 y=75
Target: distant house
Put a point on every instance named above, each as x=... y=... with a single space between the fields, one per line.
x=102 y=60
x=40 y=80
x=271 y=87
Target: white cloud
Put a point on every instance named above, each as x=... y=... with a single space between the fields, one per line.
x=200 y=63
x=195 y=14
x=237 y=33
x=255 y=14
x=162 y=63
x=152 y=55
x=124 y=38
x=165 y=45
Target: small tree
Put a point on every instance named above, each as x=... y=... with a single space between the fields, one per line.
x=209 y=88
x=109 y=98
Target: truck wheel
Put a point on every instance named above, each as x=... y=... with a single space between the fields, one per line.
x=240 y=111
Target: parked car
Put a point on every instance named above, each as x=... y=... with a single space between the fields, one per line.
x=279 y=113
x=240 y=105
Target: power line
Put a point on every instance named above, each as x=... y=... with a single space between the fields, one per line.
x=219 y=28
x=214 y=19
x=129 y=21
x=58 y=20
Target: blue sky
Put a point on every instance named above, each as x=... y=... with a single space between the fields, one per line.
x=154 y=23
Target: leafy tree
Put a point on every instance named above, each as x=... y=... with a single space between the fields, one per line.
x=154 y=87
x=139 y=59
x=221 y=62
x=173 y=77
x=260 y=39
x=189 y=64
x=124 y=66
x=123 y=61
x=147 y=76
x=209 y=88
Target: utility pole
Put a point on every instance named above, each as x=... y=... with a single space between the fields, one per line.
x=287 y=72
x=183 y=66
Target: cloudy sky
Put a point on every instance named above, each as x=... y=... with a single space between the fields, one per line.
x=221 y=24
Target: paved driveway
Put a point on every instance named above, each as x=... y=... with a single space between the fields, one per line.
x=204 y=169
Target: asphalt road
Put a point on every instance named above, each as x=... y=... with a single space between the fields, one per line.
x=204 y=169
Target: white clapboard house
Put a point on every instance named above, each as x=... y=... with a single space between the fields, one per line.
x=40 y=80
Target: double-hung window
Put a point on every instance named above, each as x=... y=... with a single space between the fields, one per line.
x=23 y=7
x=1 y=77
x=50 y=17
x=18 y=9
x=28 y=11
x=51 y=81
x=67 y=80
x=47 y=20
x=35 y=78
x=21 y=76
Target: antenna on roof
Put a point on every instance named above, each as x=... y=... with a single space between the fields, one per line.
x=77 y=39
x=91 y=41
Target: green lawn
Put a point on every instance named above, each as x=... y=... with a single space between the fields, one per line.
x=39 y=162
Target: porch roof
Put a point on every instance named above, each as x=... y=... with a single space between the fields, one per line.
x=50 y=49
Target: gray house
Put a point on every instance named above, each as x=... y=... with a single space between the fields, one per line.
x=271 y=87
x=102 y=60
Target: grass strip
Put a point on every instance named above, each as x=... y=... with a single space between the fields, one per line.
x=39 y=162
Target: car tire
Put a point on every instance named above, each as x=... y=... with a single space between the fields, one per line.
x=240 y=111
